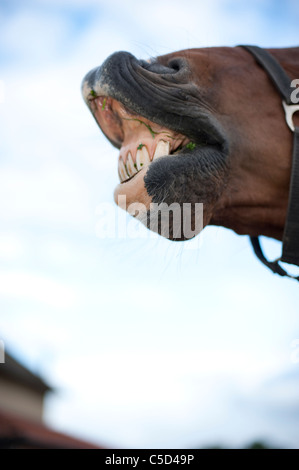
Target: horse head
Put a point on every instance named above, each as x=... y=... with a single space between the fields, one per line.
x=199 y=126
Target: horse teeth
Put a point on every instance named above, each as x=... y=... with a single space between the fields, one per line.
x=142 y=157
x=162 y=149
x=123 y=176
x=130 y=165
x=130 y=168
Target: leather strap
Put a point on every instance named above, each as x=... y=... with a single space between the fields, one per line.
x=290 y=242
x=273 y=265
x=290 y=247
x=274 y=70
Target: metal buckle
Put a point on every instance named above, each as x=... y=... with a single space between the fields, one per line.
x=290 y=109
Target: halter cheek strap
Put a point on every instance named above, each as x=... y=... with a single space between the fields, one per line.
x=290 y=241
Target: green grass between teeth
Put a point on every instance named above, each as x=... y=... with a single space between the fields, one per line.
x=153 y=133
x=191 y=145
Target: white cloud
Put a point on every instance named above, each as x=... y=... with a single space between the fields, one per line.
x=2 y=91
x=31 y=30
x=37 y=288
x=175 y=395
x=11 y=246
x=51 y=194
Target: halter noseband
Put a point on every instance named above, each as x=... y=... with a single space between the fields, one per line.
x=290 y=241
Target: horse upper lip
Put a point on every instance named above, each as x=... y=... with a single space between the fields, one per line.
x=153 y=95
x=140 y=141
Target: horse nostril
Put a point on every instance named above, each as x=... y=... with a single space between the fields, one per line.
x=156 y=67
x=175 y=64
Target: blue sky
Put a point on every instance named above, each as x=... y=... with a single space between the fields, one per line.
x=148 y=343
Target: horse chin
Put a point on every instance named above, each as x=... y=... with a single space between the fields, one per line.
x=133 y=191
x=160 y=194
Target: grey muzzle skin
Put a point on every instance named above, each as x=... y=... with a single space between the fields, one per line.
x=164 y=95
x=167 y=95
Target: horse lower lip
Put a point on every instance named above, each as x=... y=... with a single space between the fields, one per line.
x=129 y=179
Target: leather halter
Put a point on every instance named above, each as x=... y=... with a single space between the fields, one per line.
x=290 y=241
